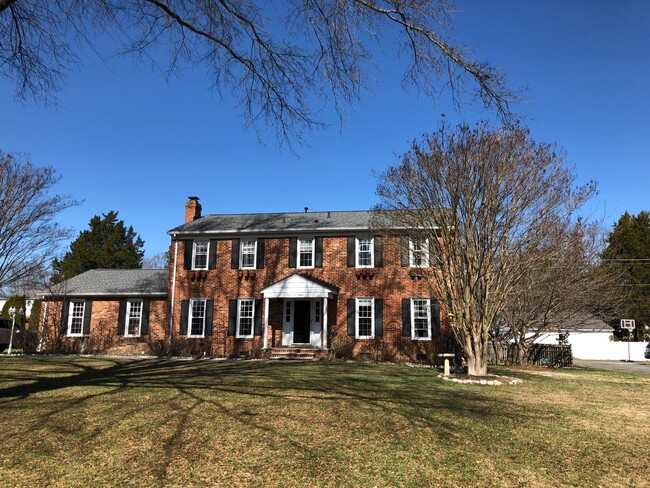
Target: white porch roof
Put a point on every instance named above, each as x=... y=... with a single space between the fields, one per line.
x=300 y=286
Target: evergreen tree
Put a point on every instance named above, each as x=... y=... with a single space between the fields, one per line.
x=629 y=249
x=108 y=244
x=18 y=302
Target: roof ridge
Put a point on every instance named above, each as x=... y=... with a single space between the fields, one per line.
x=284 y=213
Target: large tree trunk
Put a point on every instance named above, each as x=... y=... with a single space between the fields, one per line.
x=475 y=349
x=476 y=366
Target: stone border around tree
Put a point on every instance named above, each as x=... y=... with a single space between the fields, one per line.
x=491 y=380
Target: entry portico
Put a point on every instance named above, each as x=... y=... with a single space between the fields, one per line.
x=305 y=310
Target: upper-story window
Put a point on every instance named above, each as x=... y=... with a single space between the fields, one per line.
x=200 y=255
x=305 y=253
x=419 y=253
x=247 y=253
x=364 y=252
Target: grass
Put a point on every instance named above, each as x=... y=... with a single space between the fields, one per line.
x=105 y=422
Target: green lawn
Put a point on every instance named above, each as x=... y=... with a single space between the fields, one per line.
x=105 y=422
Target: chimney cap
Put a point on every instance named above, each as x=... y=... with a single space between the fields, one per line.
x=195 y=199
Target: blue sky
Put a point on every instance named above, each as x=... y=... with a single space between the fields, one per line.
x=124 y=138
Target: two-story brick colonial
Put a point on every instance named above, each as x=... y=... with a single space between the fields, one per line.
x=241 y=284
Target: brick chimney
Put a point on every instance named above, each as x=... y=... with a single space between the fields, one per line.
x=192 y=209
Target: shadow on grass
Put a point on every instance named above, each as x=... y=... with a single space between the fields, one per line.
x=237 y=390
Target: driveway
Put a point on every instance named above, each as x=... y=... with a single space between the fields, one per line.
x=621 y=366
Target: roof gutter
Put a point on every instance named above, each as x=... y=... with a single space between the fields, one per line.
x=135 y=294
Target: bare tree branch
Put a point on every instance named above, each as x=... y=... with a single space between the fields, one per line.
x=28 y=236
x=283 y=61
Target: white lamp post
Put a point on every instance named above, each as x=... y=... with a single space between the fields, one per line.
x=12 y=314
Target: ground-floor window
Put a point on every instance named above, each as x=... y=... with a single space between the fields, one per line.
x=133 y=318
x=365 y=318
x=197 y=318
x=76 y=318
x=245 y=317
x=421 y=318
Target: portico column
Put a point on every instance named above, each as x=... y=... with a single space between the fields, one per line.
x=324 y=341
x=266 y=323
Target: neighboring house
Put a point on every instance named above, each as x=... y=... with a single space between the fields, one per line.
x=104 y=309
x=592 y=339
x=239 y=284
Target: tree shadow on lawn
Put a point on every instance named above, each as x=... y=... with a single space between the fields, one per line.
x=386 y=387
x=237 y=391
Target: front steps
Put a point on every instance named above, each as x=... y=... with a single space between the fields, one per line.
x=298 y=352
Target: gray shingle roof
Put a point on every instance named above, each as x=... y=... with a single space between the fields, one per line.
x=277 y=223
x=116 y=282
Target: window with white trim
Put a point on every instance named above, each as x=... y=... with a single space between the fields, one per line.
x=419 y=253
x=76 y=318
x=365 y=252
x=420 y=318
x=248 y=253
x=245 y=317
x=133 y=318
x=200 y=255
x=305 y=251
x=365 y=318
x=196 y=326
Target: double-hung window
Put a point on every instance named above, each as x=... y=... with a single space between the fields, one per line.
x=365 y=252
x=76 y=318
x=245 y=317
x=248 y=253
x=419 y=253
x=133 y=318
x=305 y=253
x=365 y=318
x=420 y=318
x=197 y=318
x=200 y=255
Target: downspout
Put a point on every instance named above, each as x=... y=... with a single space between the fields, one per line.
x=42 y=318
x=171 y=316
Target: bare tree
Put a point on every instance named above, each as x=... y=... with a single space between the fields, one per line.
x=483 y=199
x=157 y=261
x=28 y=236
x=563 y=285
x=281 y=60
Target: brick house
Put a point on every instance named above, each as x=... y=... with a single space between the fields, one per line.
x=288 y=282
x=107 y=310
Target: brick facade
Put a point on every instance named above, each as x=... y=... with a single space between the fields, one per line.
x=219 y=282
x=390 y=282
x=103 y=336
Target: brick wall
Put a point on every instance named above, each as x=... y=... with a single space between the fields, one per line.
x=392 y=283
x=103 y=336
